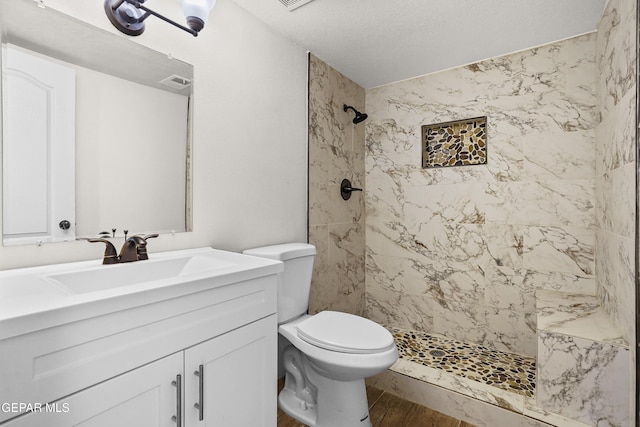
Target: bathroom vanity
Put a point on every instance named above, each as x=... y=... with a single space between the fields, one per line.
x=186 y=338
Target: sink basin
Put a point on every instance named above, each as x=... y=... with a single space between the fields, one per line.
x=133 y=273
x=37 y=297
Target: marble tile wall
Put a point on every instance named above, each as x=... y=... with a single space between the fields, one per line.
x=460 y=251
x=585 y=380
x=616 y=163
x=583 y=360
x=470 y=401
x=336 y=226
x=616 y=170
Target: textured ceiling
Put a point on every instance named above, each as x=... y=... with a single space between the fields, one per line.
x=375 y=42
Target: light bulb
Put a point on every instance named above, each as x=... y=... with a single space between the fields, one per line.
x=197 y=12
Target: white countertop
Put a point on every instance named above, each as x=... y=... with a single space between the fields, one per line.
x=37 y=297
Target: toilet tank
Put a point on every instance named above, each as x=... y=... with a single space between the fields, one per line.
x=295 y=281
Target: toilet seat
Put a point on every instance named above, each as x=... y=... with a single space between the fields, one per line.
x=339 y=365
x=345 y=333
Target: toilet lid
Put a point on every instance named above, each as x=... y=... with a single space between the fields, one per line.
x=345 y=333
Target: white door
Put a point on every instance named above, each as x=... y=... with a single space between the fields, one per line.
x=38 y=148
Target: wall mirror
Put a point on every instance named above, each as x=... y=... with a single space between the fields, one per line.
x=95 y=131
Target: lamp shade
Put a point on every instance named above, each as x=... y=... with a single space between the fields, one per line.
x=197 y=12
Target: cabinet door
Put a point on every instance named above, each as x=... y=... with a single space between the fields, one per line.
x=239 y=381
x=144 y=397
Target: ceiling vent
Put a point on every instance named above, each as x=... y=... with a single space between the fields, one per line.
x=175 y=81
x=294 y=4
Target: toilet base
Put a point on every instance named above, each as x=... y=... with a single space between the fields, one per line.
x=318 y=401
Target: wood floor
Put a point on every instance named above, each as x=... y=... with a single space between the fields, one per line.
x=387 y=410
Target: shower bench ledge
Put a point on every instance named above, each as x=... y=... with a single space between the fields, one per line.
x=583 y=360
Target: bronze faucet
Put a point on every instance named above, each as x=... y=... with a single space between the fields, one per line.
x=142 y=246
x=110 y=254
x=133 y=249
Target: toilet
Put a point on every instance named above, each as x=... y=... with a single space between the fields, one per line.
x=327 y=356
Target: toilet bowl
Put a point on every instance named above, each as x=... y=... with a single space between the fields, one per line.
x=348 y=348
x=328 y=355
x=331 y=354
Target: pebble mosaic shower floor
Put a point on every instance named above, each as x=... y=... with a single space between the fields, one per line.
x=507 y=371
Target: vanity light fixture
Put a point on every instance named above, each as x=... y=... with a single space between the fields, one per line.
x=128 y=15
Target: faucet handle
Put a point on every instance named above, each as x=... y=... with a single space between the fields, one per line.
x=141 y=243
x=110 y=253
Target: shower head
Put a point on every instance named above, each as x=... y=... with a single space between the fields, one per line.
x=360 y=117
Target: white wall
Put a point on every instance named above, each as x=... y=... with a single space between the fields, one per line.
x=250 y=133
x=124 y=155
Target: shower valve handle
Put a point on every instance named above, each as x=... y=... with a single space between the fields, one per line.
x=346 y=189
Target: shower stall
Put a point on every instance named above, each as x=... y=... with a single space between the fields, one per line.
x=484 y=273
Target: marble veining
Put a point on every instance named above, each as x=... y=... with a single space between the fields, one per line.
x=583 y=379
x=418 y=376
x=615 y=196
x=582 y=360
x=580 y=381
x=616 y=53
x=576 y=315
x=615 y=161
x=336 y=226
x=480 y=253
x=461 y=251
x=465 y=252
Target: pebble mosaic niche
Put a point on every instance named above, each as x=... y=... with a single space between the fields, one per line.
x=456 y=143
x=496 y=368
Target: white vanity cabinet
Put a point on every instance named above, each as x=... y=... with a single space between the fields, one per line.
x=229 y=382
x=144 y=397
x=198 y=351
